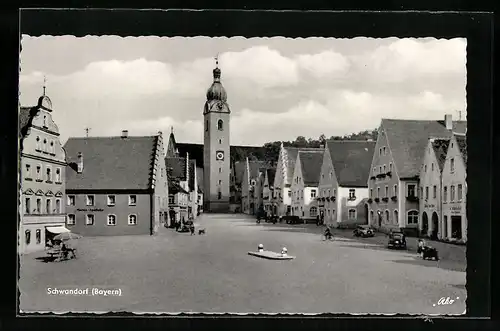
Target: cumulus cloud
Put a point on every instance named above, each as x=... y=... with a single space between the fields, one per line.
x=275 y=93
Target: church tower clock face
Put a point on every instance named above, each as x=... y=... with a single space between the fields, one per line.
x=219 y=156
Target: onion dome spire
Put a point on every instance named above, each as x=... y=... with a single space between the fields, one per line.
x=217 y=91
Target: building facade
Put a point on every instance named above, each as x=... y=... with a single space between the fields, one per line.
x=394 y=177
x=116 y=185
x=343 y=191
x=268 y=192
x=252 y=186
x=216 y=148
x=455 y=190
x=431 y=188
x=43 y=165
x=305 y=183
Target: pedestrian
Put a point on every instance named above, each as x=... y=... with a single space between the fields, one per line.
x=191 y=228
x=421 y=245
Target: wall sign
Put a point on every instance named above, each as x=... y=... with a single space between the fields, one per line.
x=92 y=209
x=456 y=209
x=429 y=206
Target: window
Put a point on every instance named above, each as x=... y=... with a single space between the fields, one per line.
x=39 y=172
x=352 y=214
x=387 y=216
x=52 y=148
x=220 y=141
x=38 y=205
x=111 y=220
x=49 y=174
x=219 y=195
x=425 y=168
x=371 y=216
x=58 y=175
x=395 y=193
x=111 y=200
x=421 y=191
x=380 y=151
x=48 y=206
x=132 y=219
x=352 y=194
x=396 y=217
x=38 y=236
x=27 y=205
x=38 y=148
x=289 y=194
x=220 y=182
x=28 y=171
x=44 y=145
x=452 y=193
x=334 y=192
x=386 y=191
x=331 y=174
x=71 y=200
x=313 y=193
x=384 y=168
x=44 y=121
x=380 y=169
x=313 y=212
x=411 y=190
x=413 y=217
x=132 y=200
x=371 y=193
x=452 y=165
x=384 y=150
x=390 y=166
x=70 y=219
x=432 y=166
x=220 y=170
x=220 y=125
x=434 y=192
x=459 y=192
x=374 y=170
x=58 y=206
x=445 y=194
x=427 y=193
x=27 y=236
x=90 y=200
x=378 y=192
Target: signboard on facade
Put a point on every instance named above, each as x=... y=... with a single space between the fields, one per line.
x=92 y=209
x=456 y=209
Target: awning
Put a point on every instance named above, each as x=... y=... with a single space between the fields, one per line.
x=57 y=229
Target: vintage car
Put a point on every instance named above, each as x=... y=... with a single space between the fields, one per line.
x=396 y=240
x=363 y=231
x=289 y=219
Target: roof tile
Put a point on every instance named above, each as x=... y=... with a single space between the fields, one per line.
x=311 y=162
x=351 y=160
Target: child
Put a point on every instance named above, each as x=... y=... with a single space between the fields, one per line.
x=421 y=245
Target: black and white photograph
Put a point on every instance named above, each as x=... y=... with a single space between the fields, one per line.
x=242 y=175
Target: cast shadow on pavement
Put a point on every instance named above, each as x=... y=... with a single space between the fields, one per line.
x=374 y=247
x=447 y=265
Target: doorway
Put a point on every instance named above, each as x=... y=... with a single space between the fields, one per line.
x=456 y=227
x=435 y=226
x=366 y=214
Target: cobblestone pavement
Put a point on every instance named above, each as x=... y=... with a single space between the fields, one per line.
x=177 y=272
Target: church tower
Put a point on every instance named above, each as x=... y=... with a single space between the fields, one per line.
x=216 y=158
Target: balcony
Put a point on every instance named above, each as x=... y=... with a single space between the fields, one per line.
x=394 y=198
x=389 y=174
x=332 y=199
x=381 y=175
x=386 y=199
x=370 y=200
x=377 y=200
x=412 y=198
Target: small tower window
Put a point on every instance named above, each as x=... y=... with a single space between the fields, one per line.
x=220 y=125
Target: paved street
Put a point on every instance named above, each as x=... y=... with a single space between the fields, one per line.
x=176 y=272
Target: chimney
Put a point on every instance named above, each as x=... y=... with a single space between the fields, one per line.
x=124 y=133
x=448 y=122
x=80 y=163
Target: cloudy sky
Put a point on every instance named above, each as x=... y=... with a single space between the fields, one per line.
x=278 y=88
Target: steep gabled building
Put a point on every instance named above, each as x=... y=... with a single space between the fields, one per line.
x=431 y=187
x=251 y=186
x=305 y=181
x=343 y=188
x=268 y=192
x=116 y=185
x=43 y=166
x=454 y=223
x=395 y=170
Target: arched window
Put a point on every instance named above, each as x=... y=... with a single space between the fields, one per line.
x=371 y=216
x=313 y=211
x=352 y=214
x=412 y=217
x=38 y=148
x=396 y=217
x=27 y=236
x=48 y=206
x=387 y=216
x=111 y=220
x=38 y=236
x=220 y=125
x=132 y=219
x=45 y=145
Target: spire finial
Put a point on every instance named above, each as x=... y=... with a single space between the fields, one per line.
x=44 y=84
x=87 y=132
x=217 y=60
x=172 y=130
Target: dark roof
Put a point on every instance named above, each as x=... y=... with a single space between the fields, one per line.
x=199 y=175
x=408 y=139
x=310 y=162
x=177 y=166
x=256 y=167
x=271 y=172
x=196 y=151
x=26 y=115
x=440 y=147
x=291 y=153
x=192 y=166
x=462 y=146
x=239 y=171
x=351 y=161
x=111 y=162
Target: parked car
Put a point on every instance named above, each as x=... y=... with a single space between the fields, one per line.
x=397 y=240
x=261 y=215
x=363 y=231
x=289 y=219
